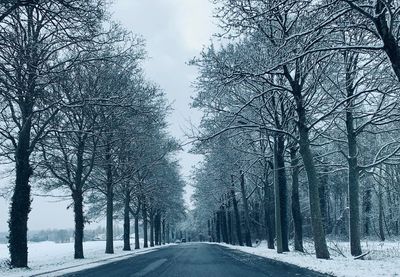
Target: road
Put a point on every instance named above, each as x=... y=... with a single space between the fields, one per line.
x=196 y=260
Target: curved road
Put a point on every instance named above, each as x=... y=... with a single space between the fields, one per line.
x=196 y=260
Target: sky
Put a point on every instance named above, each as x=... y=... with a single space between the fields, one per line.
x=175 y=31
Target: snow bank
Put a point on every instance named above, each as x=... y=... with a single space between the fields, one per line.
x=53 y=259
x=383 y=260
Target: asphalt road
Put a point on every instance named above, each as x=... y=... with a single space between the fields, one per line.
x=196 y=260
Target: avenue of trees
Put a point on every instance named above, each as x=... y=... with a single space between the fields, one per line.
x=78 y=118
x=300 y=131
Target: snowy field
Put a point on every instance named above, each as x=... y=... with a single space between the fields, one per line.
x=383 y=260
x=53 y=259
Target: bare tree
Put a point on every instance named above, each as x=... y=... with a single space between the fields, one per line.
x=32 y=48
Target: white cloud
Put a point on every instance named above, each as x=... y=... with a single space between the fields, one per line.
x=194 y=18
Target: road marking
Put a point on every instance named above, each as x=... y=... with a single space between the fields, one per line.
x=149 y=268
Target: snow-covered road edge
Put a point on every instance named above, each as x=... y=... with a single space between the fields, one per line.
x=336 y=266
x=92 y=264
x=54 y=259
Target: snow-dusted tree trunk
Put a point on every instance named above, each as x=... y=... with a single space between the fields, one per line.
x=237 y=215
x=145 y=220
x=321 y=249
x=137 y=244
x=296 y=209
x=77 y=197
x=247 y=231
x=151 y=220
x=110 y=200
x=353 y=173
x=127 y=222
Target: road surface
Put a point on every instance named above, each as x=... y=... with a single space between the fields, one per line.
x=196 y=260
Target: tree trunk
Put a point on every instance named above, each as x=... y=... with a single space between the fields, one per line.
x=380 y=216
x=367 y=206
x=230 y=234
x=144 y=215
x=390 y=44
x=127 y=223
x=157 y=228
x=218 y=226
x=353 y=186
x=268 y=211
x=268 y=195
x=246 y=211
x=281 y=171
x=353 y=173
x=224 y=226
x=237 y=215
x=110 y=204
x=163 y=232
x=296 y=210
x=168 y=234
x=21 y=200
x=209 y=230
x=323 y=180
x=277 y=193
x=321 y=249
x=213 y=232
x=257 y=220
x=79 y=224
x=109 y=222
x=151 y=229
x=137 y=245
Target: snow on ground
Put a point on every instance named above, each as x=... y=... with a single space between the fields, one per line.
x=53 y=259
x=383 y=260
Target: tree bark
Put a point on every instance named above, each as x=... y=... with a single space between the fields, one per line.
x=224 y=226
x=367 y=207
x=110 y=203
x=321 y=249
x=127 y=223
x=137 y=244
x=20 y=202
x=277 y=193
x=218 y=227
x=168 y=234
x=230 y=233
x=157 y=228
x=323 y=182
x=380 y=215
x=151 y=229
x=144 y=215
x=268 y=210
x=257 y=220
x=282 y=182
x=353 y=173
x=390 y=44
x=237 y=215
x=213 y=231
x=109 y=222
x=209 y=230
x=163 y=232
x=77 y=196
x=296 y=209
x=246 y=211
x=79 y=224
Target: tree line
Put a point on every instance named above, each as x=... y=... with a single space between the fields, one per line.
x=79 y=118
x=300 y=131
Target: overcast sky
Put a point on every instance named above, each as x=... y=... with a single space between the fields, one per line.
x=175 y=31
